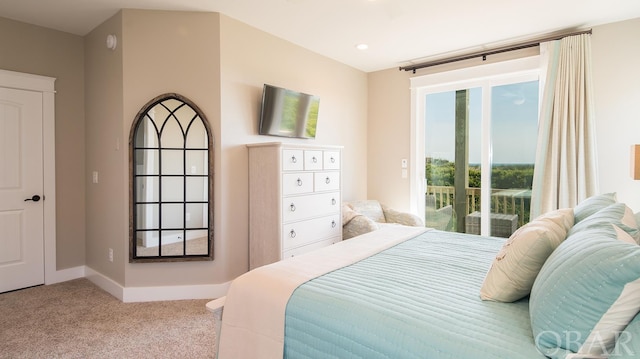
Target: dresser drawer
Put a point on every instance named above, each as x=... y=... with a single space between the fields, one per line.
x=297 y=183
x=301 y=207
x=326 y=181
x=312 y=160
x=298 y=234
x=292 y=160
x=310 y=247
x=331 y=160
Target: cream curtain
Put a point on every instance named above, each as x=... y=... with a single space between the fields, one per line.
x=566 y=164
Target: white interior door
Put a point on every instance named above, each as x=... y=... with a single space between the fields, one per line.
x=21 y=189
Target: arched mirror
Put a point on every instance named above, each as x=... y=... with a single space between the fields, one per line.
x=171 y=186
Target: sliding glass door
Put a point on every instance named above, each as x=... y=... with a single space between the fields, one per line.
x=479 y=141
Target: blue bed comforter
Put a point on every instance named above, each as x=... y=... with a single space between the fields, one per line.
x=419 y=299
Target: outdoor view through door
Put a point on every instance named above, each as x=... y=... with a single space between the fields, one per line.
x=480 y=145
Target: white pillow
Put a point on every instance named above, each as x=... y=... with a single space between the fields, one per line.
x=622 y=235
x=516 y=266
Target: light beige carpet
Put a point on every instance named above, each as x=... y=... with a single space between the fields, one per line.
x=76 y=319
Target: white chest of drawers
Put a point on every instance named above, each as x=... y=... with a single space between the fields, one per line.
x=294 y=200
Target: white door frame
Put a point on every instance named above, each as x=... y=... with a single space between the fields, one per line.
x=45 y=85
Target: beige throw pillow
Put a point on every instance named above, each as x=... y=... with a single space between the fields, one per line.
x=347 y=213
x=516 y=266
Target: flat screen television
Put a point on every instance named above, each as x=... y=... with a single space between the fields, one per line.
x=288 y=113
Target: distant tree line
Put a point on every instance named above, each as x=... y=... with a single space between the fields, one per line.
x=440 y=172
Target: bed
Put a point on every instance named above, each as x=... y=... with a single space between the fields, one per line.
x=407 y=292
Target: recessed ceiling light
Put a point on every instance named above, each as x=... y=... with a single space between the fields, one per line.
x=362 y=46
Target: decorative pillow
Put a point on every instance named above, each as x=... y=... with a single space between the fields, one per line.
x=516 y=266
x=592 y=205
x=358 y=225
x=622 y=235
x=369 y=208
x=408 y=219
x=628 y=342
x=586 y=294
x=347 y=213
x=618 y=214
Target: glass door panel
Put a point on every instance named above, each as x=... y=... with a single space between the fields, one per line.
x=455 y=150
x=452 y=157
x=514 y=129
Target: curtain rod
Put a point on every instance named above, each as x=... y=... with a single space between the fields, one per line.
x=485 y=53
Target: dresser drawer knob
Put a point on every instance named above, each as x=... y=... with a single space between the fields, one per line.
x=292 y=207
x=333 y=160
x=333 y=201
x=292 y=234
x=299 y=181
x=314 y=159
x=333 y=224
x=327 y=180
x=294 y=159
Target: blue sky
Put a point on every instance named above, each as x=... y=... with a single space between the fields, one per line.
x=514 y=123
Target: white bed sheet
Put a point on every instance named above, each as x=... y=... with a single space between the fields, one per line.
x=254 y=310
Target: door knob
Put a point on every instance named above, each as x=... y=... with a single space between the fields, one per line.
x=34 y=198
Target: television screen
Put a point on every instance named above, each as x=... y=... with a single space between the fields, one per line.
x=288 y=113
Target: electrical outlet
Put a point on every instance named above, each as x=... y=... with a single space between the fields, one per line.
x=110 y=254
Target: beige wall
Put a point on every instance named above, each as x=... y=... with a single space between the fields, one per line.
x=389 y=137
x=249 y=59
x=37 y=50
x=221 y=65
x=615 y=77
x=104 y=103
x=158 y=52
x=172 y=52
x=162 y=52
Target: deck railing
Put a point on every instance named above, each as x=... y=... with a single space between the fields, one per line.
x=503 y=201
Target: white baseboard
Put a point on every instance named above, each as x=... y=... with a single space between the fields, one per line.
x=149 y=294
x=64 y=275
x=107 y=284
x=152 y=294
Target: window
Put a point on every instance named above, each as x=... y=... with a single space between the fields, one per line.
x=171 y=186
x=474 y=143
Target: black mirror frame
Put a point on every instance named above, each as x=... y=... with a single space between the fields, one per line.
x=132 y=224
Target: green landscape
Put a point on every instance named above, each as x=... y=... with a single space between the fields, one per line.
x=506 y=180
x=440 y=172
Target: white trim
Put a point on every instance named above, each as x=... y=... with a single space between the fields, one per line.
x=178 y=292
x=105 y=283
x=23 y=81
x=49 y=190
x=64 y=275
x=152 y=294
x=417 y=181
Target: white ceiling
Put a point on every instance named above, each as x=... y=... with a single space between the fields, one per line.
x=398 y=32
